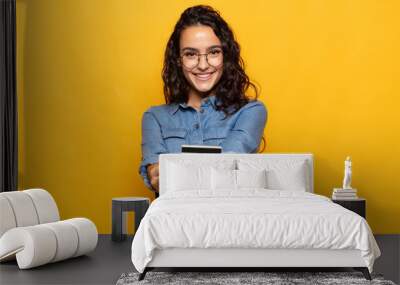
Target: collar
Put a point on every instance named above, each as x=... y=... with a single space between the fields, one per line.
x=210 y=100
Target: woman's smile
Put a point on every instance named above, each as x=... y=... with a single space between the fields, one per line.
x=203 y=76
x=203 y=81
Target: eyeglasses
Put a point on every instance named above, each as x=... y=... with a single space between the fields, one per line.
x=191 y=59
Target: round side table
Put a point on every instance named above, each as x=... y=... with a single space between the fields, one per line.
x=125 y=204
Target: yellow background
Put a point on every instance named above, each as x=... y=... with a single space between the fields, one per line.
x=88 y=69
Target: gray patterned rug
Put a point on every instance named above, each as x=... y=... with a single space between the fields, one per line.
x=269 y=278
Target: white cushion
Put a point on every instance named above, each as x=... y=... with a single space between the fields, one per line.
x=46 y=207
x=251 y=178
x=223 y=179
x=184 y=178
x=7 y=218
x=281 y=174
x=186 y=175
x=23 y=208
x=67 y=239
x=235 y=179
x=87 y=234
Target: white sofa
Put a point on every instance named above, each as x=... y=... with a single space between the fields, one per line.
x=31 y=231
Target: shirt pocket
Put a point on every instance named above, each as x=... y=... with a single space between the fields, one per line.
x=215 y=135
x=174 y=138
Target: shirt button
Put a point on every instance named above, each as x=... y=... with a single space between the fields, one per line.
x=201 y=110
x=196 y=126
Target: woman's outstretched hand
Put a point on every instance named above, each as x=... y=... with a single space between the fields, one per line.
x=153 y=174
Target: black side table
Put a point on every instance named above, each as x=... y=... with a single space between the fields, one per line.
x=357 y=205
x=121 y=205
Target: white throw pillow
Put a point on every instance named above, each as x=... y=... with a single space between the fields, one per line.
x=282 y=174
x=251 y=178
x=189 y=172
x=235 y=179
x=290 y=179
x=183 y=178
x=223 y=179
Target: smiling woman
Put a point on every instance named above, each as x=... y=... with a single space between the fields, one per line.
x=205 y=89
x=201 y=70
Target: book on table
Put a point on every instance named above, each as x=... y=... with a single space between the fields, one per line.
x=344 y=194
x=334 y=197
x=341 y=190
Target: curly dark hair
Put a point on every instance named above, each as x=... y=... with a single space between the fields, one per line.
x=233 y=84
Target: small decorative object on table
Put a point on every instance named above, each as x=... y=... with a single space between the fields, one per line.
x=347 y=192
x=347 y=173
x=121 y=205
x=347 y=196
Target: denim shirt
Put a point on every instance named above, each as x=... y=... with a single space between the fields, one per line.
x=166 y=127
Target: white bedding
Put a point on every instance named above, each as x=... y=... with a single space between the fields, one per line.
x=250 y=218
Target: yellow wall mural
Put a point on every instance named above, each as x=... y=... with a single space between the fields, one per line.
x=87 y=70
